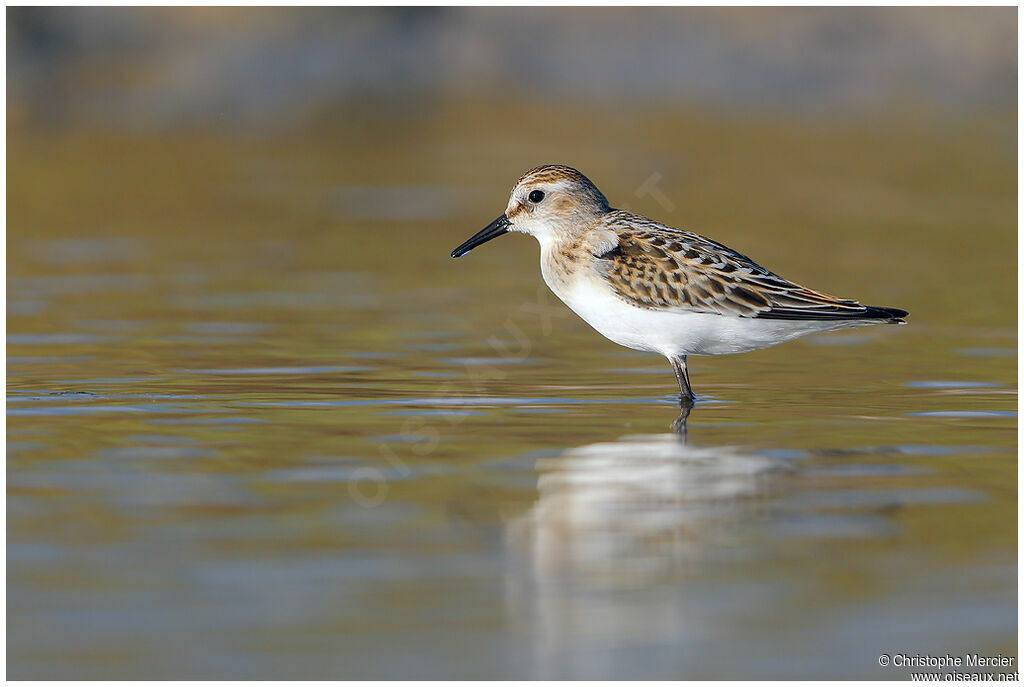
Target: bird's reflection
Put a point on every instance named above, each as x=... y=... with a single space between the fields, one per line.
x=616 y=529
x=679 y=424
x=636 y=503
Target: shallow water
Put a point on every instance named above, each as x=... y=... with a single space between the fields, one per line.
x=261 y=426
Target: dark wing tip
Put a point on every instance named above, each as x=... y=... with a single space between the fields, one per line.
x=880 y=312
x=870 y=312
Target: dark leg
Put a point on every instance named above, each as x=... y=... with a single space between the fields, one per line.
x=686 y=395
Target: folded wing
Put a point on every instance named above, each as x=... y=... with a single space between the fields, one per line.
x=658 y=267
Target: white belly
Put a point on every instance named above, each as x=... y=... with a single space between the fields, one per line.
x=680 y=333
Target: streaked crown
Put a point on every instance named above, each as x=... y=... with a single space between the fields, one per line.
x=566 y=192
x=552 y=173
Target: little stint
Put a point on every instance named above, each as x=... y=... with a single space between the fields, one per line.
x=655 y=288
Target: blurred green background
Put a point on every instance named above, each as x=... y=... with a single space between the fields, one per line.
x=260 y=425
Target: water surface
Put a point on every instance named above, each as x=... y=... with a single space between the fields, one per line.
x=261 y=426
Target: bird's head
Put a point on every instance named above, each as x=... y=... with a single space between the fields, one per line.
x=549 y=202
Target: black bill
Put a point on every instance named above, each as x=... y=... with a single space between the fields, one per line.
x=491 y=231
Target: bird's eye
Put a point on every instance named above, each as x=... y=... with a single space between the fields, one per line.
x=536 y=196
